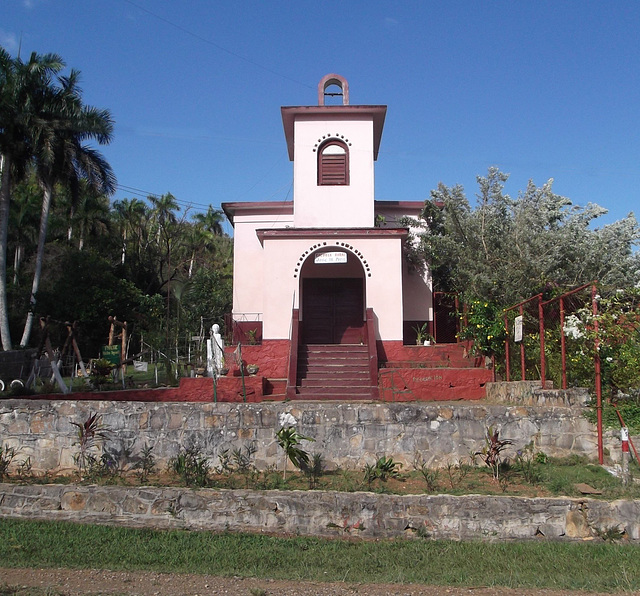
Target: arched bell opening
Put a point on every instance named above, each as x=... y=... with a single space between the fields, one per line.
x=333 y=86
x=332 y=298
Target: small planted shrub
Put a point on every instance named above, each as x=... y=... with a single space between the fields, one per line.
x=430 y=477
x=103 y=468
x=7 y=455
x=387 y=468
x=224 y=460
x=192 y=466
x=383 y=469
x=313 y=469
x=242 y=458
x=490 y=453
x=146 y=464
x=24 y=470
x=456 y=473
x=91 y=434
x=290 y=439
x=527 y=463
x=100 y=372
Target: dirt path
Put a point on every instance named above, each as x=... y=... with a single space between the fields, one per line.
x=83 y=582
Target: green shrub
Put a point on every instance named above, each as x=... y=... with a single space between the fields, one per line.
x=192 y=466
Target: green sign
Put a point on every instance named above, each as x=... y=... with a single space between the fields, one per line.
x=112 y=354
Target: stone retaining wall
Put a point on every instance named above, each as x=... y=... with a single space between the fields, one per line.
x=531 y=393
x=347 y=434
x=319 y=513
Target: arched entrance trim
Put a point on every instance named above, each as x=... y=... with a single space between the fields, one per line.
x=328 y=247
x=332 y=294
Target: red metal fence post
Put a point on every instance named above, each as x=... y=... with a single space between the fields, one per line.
x=563 y=345
x=523 y=364
x=598 y=379
x=542 y=359
x=506 y=346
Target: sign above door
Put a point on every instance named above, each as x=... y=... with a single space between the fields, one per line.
x=325 y=258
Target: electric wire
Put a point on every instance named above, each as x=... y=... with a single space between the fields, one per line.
x=148 y=194
x=218 y=46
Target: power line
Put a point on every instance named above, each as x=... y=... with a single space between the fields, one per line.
x=147 y=194
x=218 y=46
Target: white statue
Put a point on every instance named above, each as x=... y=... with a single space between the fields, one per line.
x=215 y=352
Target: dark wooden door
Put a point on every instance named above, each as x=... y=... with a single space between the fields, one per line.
x=332 y=311
x=446 y=318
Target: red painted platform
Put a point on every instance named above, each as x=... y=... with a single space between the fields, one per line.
x=433 y=384
x=229 y=389
x=407 y=373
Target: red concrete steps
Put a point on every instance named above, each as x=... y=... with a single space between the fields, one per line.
x=339 y=371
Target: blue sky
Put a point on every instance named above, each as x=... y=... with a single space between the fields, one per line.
x=540 y=89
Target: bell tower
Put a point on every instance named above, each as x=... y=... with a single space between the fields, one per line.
x=333 y=149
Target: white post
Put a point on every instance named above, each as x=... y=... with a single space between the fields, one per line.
x=624 y=437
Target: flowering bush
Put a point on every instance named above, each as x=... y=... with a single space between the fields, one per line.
x=485 y=327
x=289 y=439
x=616 y=337
x=573 y=327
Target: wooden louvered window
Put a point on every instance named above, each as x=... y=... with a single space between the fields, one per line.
x=333 y=164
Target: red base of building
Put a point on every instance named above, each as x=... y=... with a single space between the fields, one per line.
x=433 y=384
x=407 y=373
x=271 y=357
x=202 y=389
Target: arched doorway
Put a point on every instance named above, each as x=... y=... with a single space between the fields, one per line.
x=332 y=290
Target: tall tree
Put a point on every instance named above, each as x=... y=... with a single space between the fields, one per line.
x=61 y=155
x=505 y=250
x=130 y=216
x=203 y=234
x=211 y=221
x=25 y=91
x=165 y=220
x=23 y=221
x=86 y=215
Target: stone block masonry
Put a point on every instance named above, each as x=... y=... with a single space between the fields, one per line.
x=347 y=434
x=330 y=514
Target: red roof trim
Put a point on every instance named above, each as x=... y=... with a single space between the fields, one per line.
x=400 y=205
x=256 y=207
x=330 y=233
x=376 y=113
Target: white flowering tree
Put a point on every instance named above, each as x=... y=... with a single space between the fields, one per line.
x=290 y=440
x=504 y=250
x=615 y=332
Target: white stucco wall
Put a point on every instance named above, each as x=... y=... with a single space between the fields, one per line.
x=248 y=263
x=417 y=297
x=417 y=285
x=383 y=290
x=333 y=206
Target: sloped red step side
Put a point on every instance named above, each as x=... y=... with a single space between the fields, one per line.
x=431 y=384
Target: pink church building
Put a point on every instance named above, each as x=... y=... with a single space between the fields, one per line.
x=320 y=282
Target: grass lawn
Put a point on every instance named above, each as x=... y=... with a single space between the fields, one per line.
x=554 y=565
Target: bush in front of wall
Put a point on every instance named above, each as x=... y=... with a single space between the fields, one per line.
x=192 y=466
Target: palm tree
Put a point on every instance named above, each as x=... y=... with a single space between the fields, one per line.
x=92 y=216
x=62 y=156
x=211 y=221
x=23 y=221
x=25 y=89
x=130 y=216
x=163 y=208
x=205 y=233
